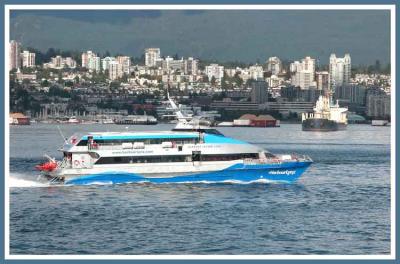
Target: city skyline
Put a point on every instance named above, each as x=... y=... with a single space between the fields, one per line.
x=294 y=34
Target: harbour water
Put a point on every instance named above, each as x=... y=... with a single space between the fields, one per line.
x=341 y=205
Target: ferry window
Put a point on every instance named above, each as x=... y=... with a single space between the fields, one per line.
x=179 y=148
x=196 y=155
x=82 y=143
x=269 y=155
x=142 y=159
x=226 y=157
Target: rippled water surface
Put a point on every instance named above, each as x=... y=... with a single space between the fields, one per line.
x=341 y=205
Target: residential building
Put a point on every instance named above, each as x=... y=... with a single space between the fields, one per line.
x=170 y=64
x=378 y=104
x=303 y=73
x=28 y=59
x=115 y=70
x=151 y=56
x=125 y=62
x=15 y=54
x=216 y=71
x=85 y=58
x=69 y=62
x=256 y=72
x=322 y=79
x=352 y=93
x=259 y=93
x=274 y=65
x=94 y=63
x=339 y=70
x=105 y=63
x=191 y=66
x=59 y=62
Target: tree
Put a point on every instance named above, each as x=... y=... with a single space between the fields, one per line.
x=377 y=66
x=224 y=84
x=45 y=83
x=213 y=80
x=114 y=85
x=238 y=80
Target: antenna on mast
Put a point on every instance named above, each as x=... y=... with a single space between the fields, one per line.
x=62 y=135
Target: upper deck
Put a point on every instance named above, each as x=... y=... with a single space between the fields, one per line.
x=116 y=139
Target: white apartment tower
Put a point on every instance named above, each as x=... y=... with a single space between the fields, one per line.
x=91 y=61
x=15 y=54
x=191 y=66
x=303 y=73
x=339 y=70
x=256 y=72
x=115 y=70
x=151 y=56
x=216 y=71
x=105 y=63
x=274 y=65
x=125 y=62
x=28 y=59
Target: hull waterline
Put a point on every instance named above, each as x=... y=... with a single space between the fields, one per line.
x=239 y=172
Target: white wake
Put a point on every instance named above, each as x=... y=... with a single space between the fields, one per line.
x=15 y=181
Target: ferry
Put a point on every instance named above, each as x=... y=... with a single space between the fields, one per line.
x=192 y=152
x=168 y=157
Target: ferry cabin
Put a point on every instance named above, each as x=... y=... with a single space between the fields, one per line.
x=98 y=149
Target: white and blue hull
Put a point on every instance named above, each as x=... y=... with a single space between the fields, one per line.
x=285 y=172
x=171 y=157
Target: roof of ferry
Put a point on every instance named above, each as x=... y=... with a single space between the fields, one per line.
x=141 y=134
x=208 y=138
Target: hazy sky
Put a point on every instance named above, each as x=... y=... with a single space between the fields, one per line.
x=223 y=35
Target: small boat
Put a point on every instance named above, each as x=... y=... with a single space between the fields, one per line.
x=380 y=123
x=73 y=120
x=137 y=120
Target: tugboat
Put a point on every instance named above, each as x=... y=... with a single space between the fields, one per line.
x=326 y=117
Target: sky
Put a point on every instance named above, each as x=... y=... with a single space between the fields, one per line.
x=224 y=35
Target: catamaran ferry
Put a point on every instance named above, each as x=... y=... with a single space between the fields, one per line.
x=168 y=157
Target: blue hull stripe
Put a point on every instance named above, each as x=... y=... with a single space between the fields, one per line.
x=287 y=172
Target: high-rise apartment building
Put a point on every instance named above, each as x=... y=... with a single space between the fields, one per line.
x=115 y=70
x=191 y=66
x=339 y=71
x=216 y=71
x=303 y=73
x=105 y=63
x=322 y=79
x=274 y=65
x=259 y=93
x=28 y=59
x=256 y=72
x=15 y=54
x=91 y=61
x=125 y=62
x=151 y=56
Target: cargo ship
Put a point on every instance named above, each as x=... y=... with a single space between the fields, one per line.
x=326 y=116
